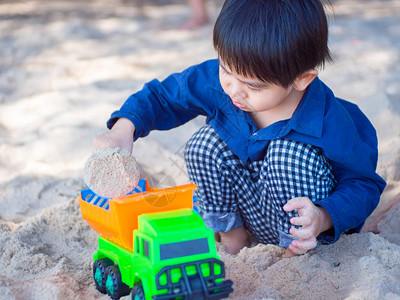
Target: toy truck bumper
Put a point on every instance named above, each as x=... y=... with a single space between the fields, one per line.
x=195 y=286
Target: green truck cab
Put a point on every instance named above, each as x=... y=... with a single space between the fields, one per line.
x=174 y=257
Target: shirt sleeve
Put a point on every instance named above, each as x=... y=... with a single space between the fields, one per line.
x=166 y=104
x=353 y=200
x=353 y=154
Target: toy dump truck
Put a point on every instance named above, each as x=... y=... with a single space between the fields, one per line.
x=153 y=245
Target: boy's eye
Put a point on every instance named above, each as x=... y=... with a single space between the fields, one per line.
x=254 y=89
x=223 y=71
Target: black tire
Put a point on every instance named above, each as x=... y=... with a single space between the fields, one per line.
x=137 y=292
x=99 y=273
x=114 y=286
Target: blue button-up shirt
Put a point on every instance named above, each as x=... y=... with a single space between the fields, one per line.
x=344 y=134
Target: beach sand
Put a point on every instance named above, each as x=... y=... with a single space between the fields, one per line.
x=66 y=65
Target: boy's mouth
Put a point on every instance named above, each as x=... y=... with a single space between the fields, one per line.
x=239 y=105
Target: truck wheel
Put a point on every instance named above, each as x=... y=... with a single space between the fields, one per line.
x=99 y=273
x=138 y=292
x=114 y=285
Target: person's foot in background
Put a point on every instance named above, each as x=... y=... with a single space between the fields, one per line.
x=199 y=15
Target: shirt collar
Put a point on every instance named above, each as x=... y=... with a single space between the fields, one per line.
x=309 y=114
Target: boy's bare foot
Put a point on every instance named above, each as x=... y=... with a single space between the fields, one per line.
x=217 y=237
x=234 y=240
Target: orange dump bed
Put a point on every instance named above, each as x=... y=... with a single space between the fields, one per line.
x=115 y=219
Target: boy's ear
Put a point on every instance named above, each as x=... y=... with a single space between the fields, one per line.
x=302 y=82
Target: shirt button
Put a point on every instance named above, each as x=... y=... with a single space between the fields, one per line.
x=255 y=133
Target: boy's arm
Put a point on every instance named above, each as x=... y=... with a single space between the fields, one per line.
x=353 y=200
x=172 y=102
x=350 y=144
x=347 y=208
x=349 y=141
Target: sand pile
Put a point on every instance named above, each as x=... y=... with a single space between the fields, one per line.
x=359 y=266
x=47 y=257
x=111 y=173
x=50 y=257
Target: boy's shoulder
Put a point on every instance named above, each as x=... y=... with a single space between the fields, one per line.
x=346 y=130
x=341 y=111
x=321 y=98
x=207 y=68
x=324 y=116
x=205 y=74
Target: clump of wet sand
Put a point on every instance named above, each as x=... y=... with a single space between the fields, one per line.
x=111 y=172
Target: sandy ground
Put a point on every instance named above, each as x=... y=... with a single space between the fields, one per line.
x=65 y=65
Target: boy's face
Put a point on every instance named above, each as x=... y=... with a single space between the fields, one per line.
x=253 y=95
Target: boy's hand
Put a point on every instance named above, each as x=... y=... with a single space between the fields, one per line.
x=313 y=219
x=120 y=136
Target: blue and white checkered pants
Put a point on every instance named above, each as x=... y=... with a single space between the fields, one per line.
x=233 y=193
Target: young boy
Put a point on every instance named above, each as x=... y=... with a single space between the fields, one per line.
x=280 y=156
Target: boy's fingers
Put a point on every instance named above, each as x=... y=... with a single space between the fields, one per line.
x=297 y=250
x=296 y=203
x=301 y=221
x=304 y=245
x=301 y=233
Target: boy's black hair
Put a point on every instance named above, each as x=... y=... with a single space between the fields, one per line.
x=273 y=41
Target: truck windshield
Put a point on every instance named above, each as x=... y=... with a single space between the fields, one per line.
x=186 y=248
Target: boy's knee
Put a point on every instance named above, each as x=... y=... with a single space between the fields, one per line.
x=201 y=144
x=206 y=147
x=293 y=157
x=297 y=170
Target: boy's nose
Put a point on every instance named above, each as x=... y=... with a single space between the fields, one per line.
x=236 y=89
